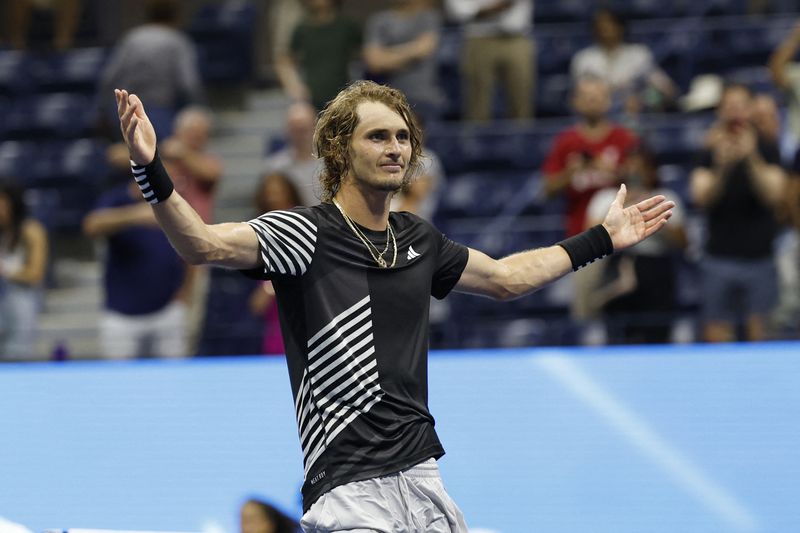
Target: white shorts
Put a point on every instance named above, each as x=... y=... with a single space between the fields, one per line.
x=159 y=334
x=411 y=501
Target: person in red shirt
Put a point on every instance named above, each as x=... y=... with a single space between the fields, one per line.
x=584 y=159
x=587 y=157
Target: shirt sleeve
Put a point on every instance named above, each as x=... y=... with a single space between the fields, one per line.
x=286 y=242
x=450 y=264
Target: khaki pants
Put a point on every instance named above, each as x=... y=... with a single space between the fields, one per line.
x=508 y=58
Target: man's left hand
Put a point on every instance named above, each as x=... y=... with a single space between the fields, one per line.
x=628 y=226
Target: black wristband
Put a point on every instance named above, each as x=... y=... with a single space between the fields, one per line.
x=153 y=180
x=583 y=248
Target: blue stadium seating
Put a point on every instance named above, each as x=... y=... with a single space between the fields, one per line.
x=56 y=115
x=15 y=72
x=223 y=33
x=76 y=70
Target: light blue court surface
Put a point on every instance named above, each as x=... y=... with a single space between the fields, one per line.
x=673 y=439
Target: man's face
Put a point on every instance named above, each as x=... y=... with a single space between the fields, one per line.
x=607 y=30
x=592 y=99
x=380 y=148
x=735 y=107
x=195 y=133
x=300 y=121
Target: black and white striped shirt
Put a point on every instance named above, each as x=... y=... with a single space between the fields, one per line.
x=356 y=338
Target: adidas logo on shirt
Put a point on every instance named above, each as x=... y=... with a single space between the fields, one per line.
x=412 y=254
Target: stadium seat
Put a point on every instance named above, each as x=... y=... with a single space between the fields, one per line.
x=15 y=72
x=57 y=115
x=17 y=159
x=547 y=11
x=75 y=70
x=223 y=33
x=557 y=46
x=553 y=95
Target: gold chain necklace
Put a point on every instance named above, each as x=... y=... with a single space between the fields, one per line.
x=376 y=255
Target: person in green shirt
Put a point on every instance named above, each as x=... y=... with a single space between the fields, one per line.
x=316 y=67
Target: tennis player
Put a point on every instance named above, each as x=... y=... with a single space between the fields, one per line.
x=353 y=283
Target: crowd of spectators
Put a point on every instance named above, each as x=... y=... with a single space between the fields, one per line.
x=741 y=189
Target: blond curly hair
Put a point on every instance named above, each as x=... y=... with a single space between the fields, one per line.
x=339 y=119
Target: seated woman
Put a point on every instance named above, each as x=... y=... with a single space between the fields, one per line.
x=23 y=264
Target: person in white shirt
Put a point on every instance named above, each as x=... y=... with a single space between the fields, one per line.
x=636 y=81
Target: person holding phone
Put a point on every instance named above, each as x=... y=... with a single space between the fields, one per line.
x=739 y=184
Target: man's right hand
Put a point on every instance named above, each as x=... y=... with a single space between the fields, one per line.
x=137 y=131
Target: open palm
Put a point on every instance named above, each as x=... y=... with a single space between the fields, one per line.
x=136 y=128
x=628 y=226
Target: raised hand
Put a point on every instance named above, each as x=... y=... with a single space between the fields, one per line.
x=628 y=226
x=137 y=131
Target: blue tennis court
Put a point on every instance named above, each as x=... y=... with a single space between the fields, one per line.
x=657 y=439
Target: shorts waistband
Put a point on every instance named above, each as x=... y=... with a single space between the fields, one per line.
x=427 y=468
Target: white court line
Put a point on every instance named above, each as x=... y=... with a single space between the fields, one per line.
x=687 y=475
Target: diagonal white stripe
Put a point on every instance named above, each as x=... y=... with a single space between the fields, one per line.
x=352 y=367
x=357 y=411
x=338 y=318
x=672 y=462
x=305 y=225
x=339 y=333
x=285 y=234
x=342 y=345
x=326 y=403
x=293 y=235
x=285 y=238
x=285 y=265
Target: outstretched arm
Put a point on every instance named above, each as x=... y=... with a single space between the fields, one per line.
x=525 y=272
x=233 y=245
x=782 y=56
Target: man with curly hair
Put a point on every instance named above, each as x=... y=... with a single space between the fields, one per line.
x=353 y=282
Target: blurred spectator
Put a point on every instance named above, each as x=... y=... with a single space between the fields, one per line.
x=194 y=170
x=421 y=196
x=284 y=16
x=739 y=184
x=583 y=160
x=766 y=118
x=196 y=173
x=322 y=46
x=498 y=43
x=137 y=322
x=157 y=62
x=400 y=50
x=786 y=75
x=23 y=265
x=586 y=157
x=260 y=517
x=297 y=160
x=65 y=15
x=275 y=192
x=639 y=296
x=637 y=83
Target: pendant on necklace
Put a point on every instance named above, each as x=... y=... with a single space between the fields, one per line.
x=381 y=262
